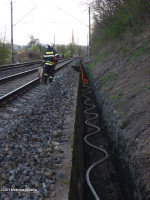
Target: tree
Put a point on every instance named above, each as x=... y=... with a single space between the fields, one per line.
x=4 y=51
x=67 y=52
x=33 y=41
x=34 y=44
x=73 y=49
x=61 y=49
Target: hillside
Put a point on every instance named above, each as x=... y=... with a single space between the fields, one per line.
x=120 y=77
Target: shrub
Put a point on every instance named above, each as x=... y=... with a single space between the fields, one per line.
x=4 y=53
x=114 y=19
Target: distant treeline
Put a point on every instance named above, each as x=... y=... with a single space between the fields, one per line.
x=118 y=18
x=34 y=51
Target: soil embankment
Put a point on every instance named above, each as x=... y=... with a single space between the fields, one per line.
x=120 y=77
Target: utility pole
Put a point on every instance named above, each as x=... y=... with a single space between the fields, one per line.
x=12 y=48
x=89 y=35
x=88 y=46
x=54 y=40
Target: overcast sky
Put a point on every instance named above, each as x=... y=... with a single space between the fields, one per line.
x=43 y=19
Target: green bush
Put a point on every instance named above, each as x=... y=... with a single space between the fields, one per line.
x=115 y=19
x=4 y=53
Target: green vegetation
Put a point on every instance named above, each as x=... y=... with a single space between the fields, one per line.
x=138 y=52
x=145 y=86
x=34 y=44
x=90 y=76
x=65 y=50
x=117 y=97
x=109 y=78
x=119 y=124
x=120 y=114
x=107 y=84
x=133 y=90
x=116 y=76
x=34 y=51
x=97 y=59
x=4 y=51
x=117 y=19
x=68 y=50
x=133 y=83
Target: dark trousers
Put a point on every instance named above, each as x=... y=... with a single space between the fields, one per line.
x=49 y=72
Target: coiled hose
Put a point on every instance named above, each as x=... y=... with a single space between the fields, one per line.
x=87 y=102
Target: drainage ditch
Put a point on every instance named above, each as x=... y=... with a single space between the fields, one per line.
x=104 y=178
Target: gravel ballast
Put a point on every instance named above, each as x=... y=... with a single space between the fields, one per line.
x=33 y=137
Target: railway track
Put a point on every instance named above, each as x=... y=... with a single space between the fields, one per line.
x=12 y=85
x=15 y=66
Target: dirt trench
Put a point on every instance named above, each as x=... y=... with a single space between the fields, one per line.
x=104 y=178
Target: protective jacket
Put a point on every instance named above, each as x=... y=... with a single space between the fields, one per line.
x=49 y=57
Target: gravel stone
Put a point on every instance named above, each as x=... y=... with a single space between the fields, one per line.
x=30 y=135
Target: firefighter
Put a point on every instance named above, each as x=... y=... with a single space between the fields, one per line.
x=49 y=60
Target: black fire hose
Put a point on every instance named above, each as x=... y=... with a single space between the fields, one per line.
x=87 y=102
x=93 y=115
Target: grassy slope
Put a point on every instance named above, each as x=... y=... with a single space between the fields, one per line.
x=122 y=72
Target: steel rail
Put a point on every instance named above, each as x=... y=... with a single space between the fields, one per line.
x=70 y=60
x=14 y=66
x=18 y=65
x=17 y=75
x=94 y=116
x=17 y=91
x=22 y=74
